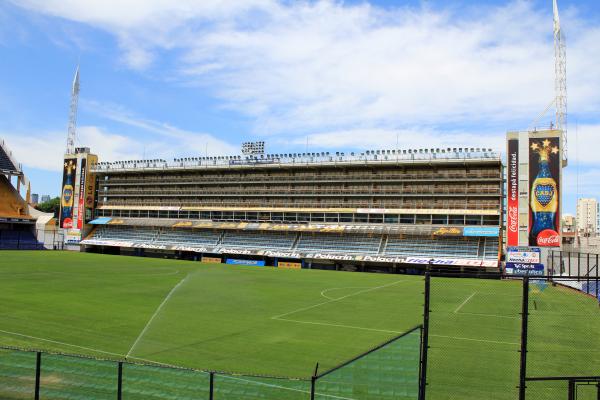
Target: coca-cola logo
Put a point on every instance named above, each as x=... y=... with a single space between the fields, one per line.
x=513 y=218
x=548 y=238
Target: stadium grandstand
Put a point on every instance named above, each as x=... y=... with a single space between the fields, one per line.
x=388 y=210
x=19 y=222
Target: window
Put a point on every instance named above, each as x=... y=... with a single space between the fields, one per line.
x=376 y=218
x=456 y=219
x=345 y=217
x=473 y=220
x=391 y=218
x=423 y=219
x=439 y=219
x=407 y=218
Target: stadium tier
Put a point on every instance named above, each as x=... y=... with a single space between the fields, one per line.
x=384 y=208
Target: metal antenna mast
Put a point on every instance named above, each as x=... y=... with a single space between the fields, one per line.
x=73 y=114
x=560 y=82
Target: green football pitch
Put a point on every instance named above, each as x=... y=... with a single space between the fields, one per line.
x=268 y=321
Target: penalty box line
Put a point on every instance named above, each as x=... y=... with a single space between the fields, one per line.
x=156 y=312
x=390 y=331
x=334 y=300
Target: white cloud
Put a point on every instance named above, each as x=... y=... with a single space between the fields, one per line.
x=298 y=68
x=405 y=139
x=46 y=150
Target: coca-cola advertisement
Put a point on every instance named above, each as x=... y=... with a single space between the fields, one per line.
x=512 y=193
x=544 y=194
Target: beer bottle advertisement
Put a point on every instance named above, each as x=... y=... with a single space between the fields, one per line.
x=66 y=198
x=544 y=193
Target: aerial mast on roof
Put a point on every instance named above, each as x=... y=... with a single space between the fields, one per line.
x=73 y=114
x=560 y=81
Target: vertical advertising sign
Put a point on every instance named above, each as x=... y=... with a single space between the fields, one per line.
x=81 y=197
x=512 y=193
x=90 y=184
x=67 y=193
x=544 y=194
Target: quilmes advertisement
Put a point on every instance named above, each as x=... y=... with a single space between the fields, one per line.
x=68 y=193
x=512 y=193
x=544 y=175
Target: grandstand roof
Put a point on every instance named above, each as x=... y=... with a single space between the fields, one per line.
x=293 y=160
x=8 y=164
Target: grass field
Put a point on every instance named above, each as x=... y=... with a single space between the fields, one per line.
x=282 y=322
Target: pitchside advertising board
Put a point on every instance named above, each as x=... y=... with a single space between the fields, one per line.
x=524 y=261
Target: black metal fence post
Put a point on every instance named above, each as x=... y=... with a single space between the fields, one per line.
x=571 y=395
x=211 y=385
x=313 y=382
x=425 y=338
x=38 y=372
x=120 y=381
x=524 y=325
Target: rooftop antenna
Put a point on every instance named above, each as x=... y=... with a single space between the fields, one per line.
x=73 y=114
x=560 y=81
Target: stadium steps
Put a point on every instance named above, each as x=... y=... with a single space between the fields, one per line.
x=296 y=240
x=383 y=244
x=481 y=250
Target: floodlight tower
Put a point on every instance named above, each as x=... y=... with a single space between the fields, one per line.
x=73 y=114
x=560 y=81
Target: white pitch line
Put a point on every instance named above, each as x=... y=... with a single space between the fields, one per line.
x=154 y=315
x=337 y=288
x=490 y=315
x=464 y=302
x=61 y=343
x=474 y=340
x=283 y=387
x=338 y=299
x=338 y=325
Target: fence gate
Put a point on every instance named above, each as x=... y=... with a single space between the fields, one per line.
x=568 y=388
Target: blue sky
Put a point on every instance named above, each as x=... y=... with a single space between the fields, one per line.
x=166 y=79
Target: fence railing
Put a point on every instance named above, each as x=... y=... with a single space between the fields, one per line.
x=389 y=371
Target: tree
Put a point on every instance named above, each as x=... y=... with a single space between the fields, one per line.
x=50 y=206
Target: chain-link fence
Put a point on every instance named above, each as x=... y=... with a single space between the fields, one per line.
x=473 y=338
x=388 y=372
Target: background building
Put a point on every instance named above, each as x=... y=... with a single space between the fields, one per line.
x=35 y=198
x=588 y=211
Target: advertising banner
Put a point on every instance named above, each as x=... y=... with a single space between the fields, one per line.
x=213 y=260
x=67 y=193
x=257 y=263
x=451 y=261
x=448 y=231
x=81 y=198
x=289 y=265
x=512 y=194
x=90 y=183
x=485 y=231
x=544 y=194
x=524 y=269
x=527 y=255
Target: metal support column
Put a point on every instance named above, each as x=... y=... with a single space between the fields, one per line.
x=425 y=338
x=524 y=325
x=38 y=372
x=120 y=381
